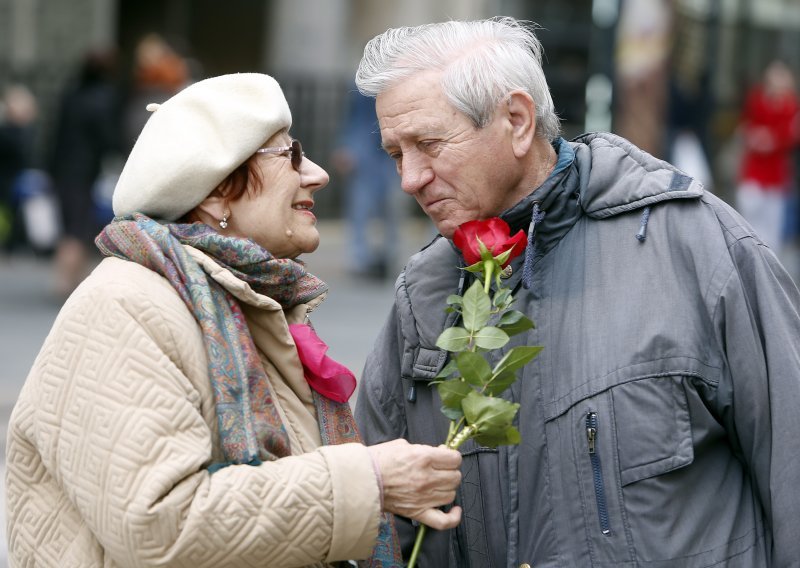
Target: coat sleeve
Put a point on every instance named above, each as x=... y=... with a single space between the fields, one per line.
x=379 y=410
x=758 y=318
x=129 y=442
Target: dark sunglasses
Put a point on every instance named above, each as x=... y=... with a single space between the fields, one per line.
x=295 y=148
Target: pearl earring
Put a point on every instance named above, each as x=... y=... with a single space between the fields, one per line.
x=224 y=221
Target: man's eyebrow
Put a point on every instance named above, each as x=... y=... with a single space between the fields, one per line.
x=418 y=134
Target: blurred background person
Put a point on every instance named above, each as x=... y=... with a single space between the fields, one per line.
x=18 y=113
x=159 y=72
x=770 y=133
x=687 y=140
x=87 y=133
x=370 y=184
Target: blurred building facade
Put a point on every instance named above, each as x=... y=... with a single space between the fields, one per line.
x=606 y=70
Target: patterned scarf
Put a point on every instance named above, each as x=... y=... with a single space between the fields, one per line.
x=250 y=427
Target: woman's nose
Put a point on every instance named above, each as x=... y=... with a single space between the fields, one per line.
x=312 y=175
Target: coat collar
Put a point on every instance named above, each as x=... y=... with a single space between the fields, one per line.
x=599 y=175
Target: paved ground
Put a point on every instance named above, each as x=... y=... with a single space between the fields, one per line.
x=348 y=320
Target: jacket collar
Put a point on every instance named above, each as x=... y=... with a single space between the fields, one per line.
x=617 y=177
x=556 y=202
x=599 y=175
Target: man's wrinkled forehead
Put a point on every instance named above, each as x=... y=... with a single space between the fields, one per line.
x=415 y=108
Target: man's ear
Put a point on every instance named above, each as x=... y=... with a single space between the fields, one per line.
x=521 y=113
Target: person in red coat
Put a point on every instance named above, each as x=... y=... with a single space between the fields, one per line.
x=771 y=131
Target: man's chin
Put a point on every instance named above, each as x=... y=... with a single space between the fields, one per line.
x=447 y=227
x=446 y=231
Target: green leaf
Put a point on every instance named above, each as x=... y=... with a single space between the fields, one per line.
x=486 y=254
x=503 y=257
x=473 y=368
x=452 y=413
x=488 y=413
x=513 y=436
x=490 y=338
x=510 y=317
x=452 y=392
x=501 y=297
x=475 y=308
x=476 y=268
x=508 y=437
x=499 y=383
x=453 y=339
x=454 y=299
x=516 y=358
x=447 y=370
x=514 y=322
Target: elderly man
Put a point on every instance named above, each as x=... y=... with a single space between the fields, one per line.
x=660 y=424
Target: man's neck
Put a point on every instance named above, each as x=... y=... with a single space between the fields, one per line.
x=544 y=159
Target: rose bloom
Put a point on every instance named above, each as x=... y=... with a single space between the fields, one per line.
x=494 y=233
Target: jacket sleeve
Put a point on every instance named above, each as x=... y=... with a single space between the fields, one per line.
x=379 y=410
x=758 y=318
x=130 y=445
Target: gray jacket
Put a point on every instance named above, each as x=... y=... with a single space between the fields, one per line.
x=680 y=350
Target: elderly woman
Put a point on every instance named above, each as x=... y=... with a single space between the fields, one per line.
x=182 y=411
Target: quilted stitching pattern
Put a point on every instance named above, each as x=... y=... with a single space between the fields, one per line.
x=109 y=438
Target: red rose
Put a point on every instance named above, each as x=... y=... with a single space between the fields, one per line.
x=494 y=233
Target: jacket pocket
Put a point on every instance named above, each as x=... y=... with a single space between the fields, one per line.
x=667 y=468
x=623 y=441
x=653 y=427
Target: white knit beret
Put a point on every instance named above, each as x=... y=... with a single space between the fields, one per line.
x=195 y=139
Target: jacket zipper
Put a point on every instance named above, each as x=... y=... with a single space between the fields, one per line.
x=597 y=472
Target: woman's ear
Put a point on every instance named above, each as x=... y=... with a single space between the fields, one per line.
x=213 y=209
x=521 y=114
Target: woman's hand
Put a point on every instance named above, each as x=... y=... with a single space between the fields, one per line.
x=417 y=479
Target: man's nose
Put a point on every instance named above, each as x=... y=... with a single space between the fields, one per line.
x=415 y=174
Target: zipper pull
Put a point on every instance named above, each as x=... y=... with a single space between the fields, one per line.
x=591 y=430
x=412 y=392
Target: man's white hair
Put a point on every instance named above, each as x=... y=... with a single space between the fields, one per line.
x=481 y=62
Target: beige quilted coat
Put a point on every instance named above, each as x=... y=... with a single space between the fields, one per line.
x=115 y=425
